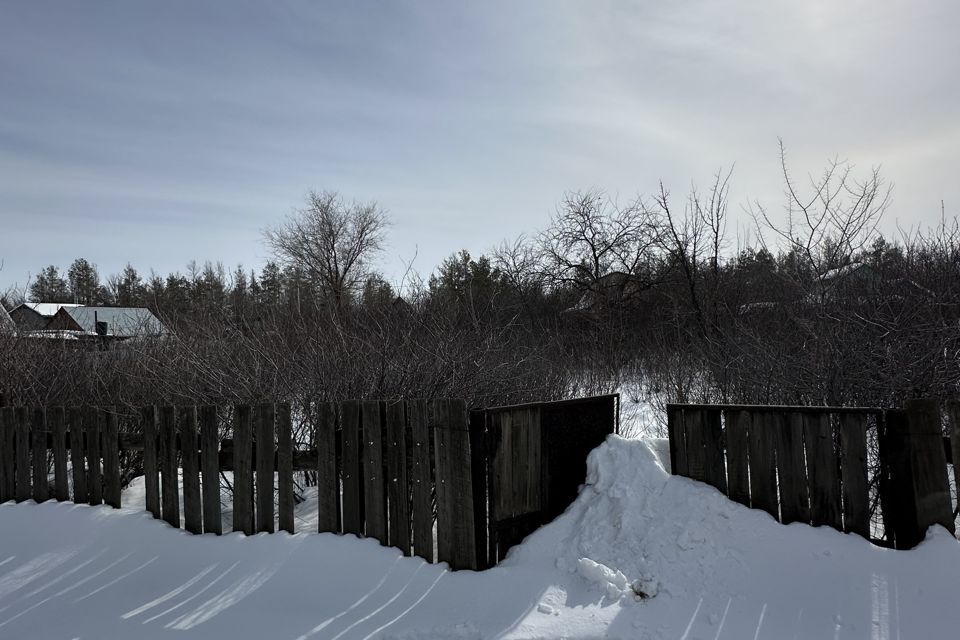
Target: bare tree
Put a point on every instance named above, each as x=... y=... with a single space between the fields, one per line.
x=332 y=241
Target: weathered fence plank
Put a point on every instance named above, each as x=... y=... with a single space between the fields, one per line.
x=190 y=461
x=853 y=474
x=91 y=427
x=78 y=456
x=8 y=465
x=243 y=470
x=737 y=425
x=678 y=441
x=151 y=466
x=38 y=456
x=693 y=421
x=398 y=489
x=763 y=480
x=928 y=464
x=352 y=473
x=478 y=463
x=170 y=500
x=421 y=479
x=23 y=491
x=455 y=525
x=210 y=469
x=58 y=442
x=284 y=468
x=264 y=419
x=954 y=409
x=715 y=473
x=823 y=471
x=111 y=460
x=328 y=481
x=374 y=487
x=791 y=467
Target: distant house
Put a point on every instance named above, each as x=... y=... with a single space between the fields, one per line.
x=107 y=322
x=35 y=316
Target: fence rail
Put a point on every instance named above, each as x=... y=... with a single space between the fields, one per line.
x=879 y=473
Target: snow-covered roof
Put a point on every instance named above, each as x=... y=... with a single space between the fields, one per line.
x=121 y=321
x=47 y=309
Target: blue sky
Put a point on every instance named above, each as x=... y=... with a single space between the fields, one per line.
x=159 y=133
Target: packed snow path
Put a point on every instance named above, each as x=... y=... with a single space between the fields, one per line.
x=714 y=570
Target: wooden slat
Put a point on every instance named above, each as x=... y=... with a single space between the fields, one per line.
x=928 y=464
x=791 y=468
x=823 y=471
x=479 y=457
x=190 y=461
x=398 y=488
x=853 y=474
x=456 y=538
x=715 y=472
x=58 y=442
x=8 y=464
x=737 y=424
x=263 y=419
x=763 y=479
x=284 y=468
x=677 y=442
x=38 y=456
x=170 y=500
x=151 y=461
x=24 y=490
x=421 y=479
x=78 y=456
x=111 y=460
x=374 y=487
x=91 y=427
x=352 y=475
x=693 y=429
x=210 y=469
x=954 y=409
x=328 y=482
x=243 y=470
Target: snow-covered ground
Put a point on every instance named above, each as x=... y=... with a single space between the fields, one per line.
x=710 y=568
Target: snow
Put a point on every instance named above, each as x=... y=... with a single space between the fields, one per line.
x=640 y=554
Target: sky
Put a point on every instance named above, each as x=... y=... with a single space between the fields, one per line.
x=160 y=133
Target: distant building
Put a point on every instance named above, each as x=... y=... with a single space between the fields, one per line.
x=35 y=316
x=6 y=322
x=107 y=322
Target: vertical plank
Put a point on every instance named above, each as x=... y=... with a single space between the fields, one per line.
x=822 y=471
x=737 y=425
x=285 y=468
x=439 y=420
x=170 y=499
x=8 y=464
x=210 y=469
x=352 y=475
x=792 y=468
x=374 y=487
x=91 y=427
x=421 y=479
x=478 y=463
x=151 y=466
x=58 y=434
x=763 y=463
x=693 y=429
x=677 y=441
x=78 y=456
x=243 y=470
x=328 y=483
x=23 y=491
x=264 y=418
x=853 y=474
x=928 y=462
x=190 y=461
x=715 y=472
x=954 y=410
x=111 y=459
x=398 y=488
x=38 y=457
x=456 y=532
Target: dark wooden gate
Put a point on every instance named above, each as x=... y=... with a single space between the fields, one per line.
x=537 y=461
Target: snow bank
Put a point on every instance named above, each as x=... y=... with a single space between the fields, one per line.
x=640 y=554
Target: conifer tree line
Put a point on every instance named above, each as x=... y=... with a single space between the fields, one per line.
x=654 y=297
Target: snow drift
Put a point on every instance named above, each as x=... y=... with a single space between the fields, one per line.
x=640 y=554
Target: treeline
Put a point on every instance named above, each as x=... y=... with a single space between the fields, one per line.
x=649 y=298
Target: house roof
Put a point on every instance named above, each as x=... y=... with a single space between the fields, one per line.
x=121 y=321
x=47 y=309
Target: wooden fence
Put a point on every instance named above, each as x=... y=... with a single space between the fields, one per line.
x=879 y=473
x=412 y=474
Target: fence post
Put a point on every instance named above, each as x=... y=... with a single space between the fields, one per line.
x=77 y=455
x=91 y=426
x=170 y=499
x=328 y=482
x=456 y=533
x=285 y=468
x=190 y=461
x=151 y=478
x=243 y=470
x=41 y=489
x=23 y=455
x=58 y=431
x=210 y=469
x=111 y=460
x=914 y=455
x=8 y=480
